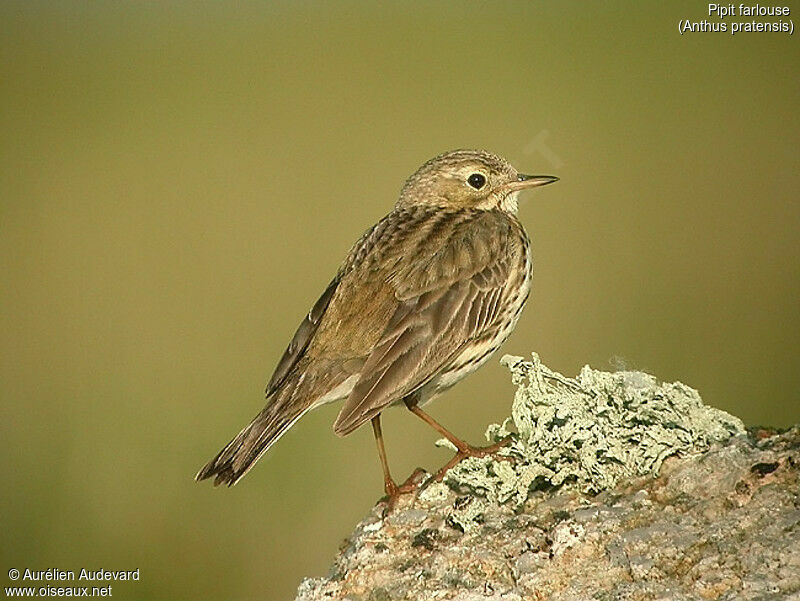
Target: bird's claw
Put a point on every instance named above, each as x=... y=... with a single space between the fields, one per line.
x=465 y=451
x=395 y=492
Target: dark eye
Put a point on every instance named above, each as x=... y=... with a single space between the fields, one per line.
x=476 y=180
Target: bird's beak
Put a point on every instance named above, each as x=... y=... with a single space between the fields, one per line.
x=530 y=181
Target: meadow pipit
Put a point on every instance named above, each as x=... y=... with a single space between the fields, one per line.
x=423 y=299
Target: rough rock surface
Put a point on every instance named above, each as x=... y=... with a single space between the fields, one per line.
x=723 y=524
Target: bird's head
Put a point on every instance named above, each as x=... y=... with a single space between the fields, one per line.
x=469 y=179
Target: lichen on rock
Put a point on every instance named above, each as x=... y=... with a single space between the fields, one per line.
x=589 y=432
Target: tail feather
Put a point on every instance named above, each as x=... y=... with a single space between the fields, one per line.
x=303 y=390
x=240 y=454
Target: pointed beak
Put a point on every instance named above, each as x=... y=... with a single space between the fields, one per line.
x=530 y=181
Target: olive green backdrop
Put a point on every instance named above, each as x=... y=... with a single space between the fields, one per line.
x=178 y=183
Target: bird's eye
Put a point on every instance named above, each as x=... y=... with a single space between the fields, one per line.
x=476 y=180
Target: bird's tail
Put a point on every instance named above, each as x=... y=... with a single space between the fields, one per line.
x=240 y=454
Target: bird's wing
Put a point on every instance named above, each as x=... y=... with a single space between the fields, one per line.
x=447 y=291
x=305 y=332
x=307 y=329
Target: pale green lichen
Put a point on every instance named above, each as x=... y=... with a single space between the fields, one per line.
x=589 y=432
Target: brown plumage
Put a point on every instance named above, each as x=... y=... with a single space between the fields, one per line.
x=422 y=300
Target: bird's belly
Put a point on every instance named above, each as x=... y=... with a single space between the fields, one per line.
x=469 y=360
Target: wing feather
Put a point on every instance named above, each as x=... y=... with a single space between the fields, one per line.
x=444 y=301
x=305 y=332
x=308 y=328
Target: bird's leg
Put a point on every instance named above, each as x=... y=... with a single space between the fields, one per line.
x=459 y=444
x=393 y=491
x=464 y=449
x=389 y=484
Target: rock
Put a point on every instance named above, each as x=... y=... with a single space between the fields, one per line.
x=720 y=520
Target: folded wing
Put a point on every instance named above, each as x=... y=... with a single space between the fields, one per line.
x=447 y=293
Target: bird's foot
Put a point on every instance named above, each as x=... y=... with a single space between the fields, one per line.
x=395 y=492
x=466 y=450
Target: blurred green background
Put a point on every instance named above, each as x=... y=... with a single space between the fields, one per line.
x=178 y=183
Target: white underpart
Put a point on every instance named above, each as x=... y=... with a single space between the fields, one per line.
x=510 y=202
x=342 y=391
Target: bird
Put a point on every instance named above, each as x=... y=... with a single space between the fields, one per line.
x=423 y=299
